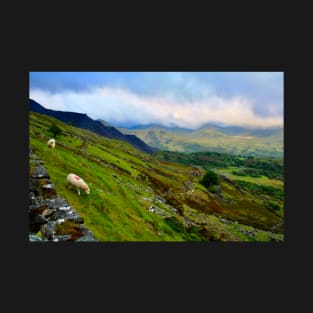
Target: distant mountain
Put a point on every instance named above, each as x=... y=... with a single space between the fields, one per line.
x=174 y=129
x=210 y=137
x=242 y=131
x=83 y=121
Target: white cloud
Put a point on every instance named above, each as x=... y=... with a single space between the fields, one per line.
x=123 y=106
x=53 y=101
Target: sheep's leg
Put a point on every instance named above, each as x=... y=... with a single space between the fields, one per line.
x=69 y=186
x=78 y=191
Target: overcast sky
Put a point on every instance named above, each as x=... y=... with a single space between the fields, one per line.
x=185 y=99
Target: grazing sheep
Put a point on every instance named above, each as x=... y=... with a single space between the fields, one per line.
x=74 y=180
x=51 y=143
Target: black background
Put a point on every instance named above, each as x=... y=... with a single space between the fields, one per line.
x=113 y=277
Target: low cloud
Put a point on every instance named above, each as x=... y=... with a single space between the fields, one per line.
x=124 y=107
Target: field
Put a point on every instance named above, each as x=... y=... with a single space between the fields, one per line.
x=263 y=180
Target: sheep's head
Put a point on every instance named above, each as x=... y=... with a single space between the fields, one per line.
x=87 y=190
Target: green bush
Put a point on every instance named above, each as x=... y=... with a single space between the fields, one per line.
x=209 y=179
x=55 y=130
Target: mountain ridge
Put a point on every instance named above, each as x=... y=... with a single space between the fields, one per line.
x=82 y=120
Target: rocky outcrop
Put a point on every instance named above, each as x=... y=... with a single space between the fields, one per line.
x=51 y=218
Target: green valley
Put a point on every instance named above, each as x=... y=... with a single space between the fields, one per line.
x=232 y=140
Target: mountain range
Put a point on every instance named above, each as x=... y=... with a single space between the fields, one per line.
x=237 y=140
x=99 y=127
x=266 y=142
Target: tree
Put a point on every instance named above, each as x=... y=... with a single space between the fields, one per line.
x=209 y=179
x=55 y=130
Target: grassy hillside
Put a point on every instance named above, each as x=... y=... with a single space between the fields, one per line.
x=261 y=177
x=137 y=197
x=257 y=143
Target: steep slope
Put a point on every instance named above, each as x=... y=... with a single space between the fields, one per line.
x=136 y=197
x=83 y=121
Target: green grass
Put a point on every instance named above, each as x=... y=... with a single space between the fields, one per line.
x=121 y=179
x=255 y=234
x=112 y=210
x=263 y=180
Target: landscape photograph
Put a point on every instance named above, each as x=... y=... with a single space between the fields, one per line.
x=156 y=156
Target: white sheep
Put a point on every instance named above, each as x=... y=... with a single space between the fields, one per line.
x=74 y=180
x=51 y=143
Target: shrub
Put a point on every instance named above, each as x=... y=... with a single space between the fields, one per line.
x=55 y=130
x=209 y=179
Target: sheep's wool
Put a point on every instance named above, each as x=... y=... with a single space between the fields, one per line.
x=77 y=181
